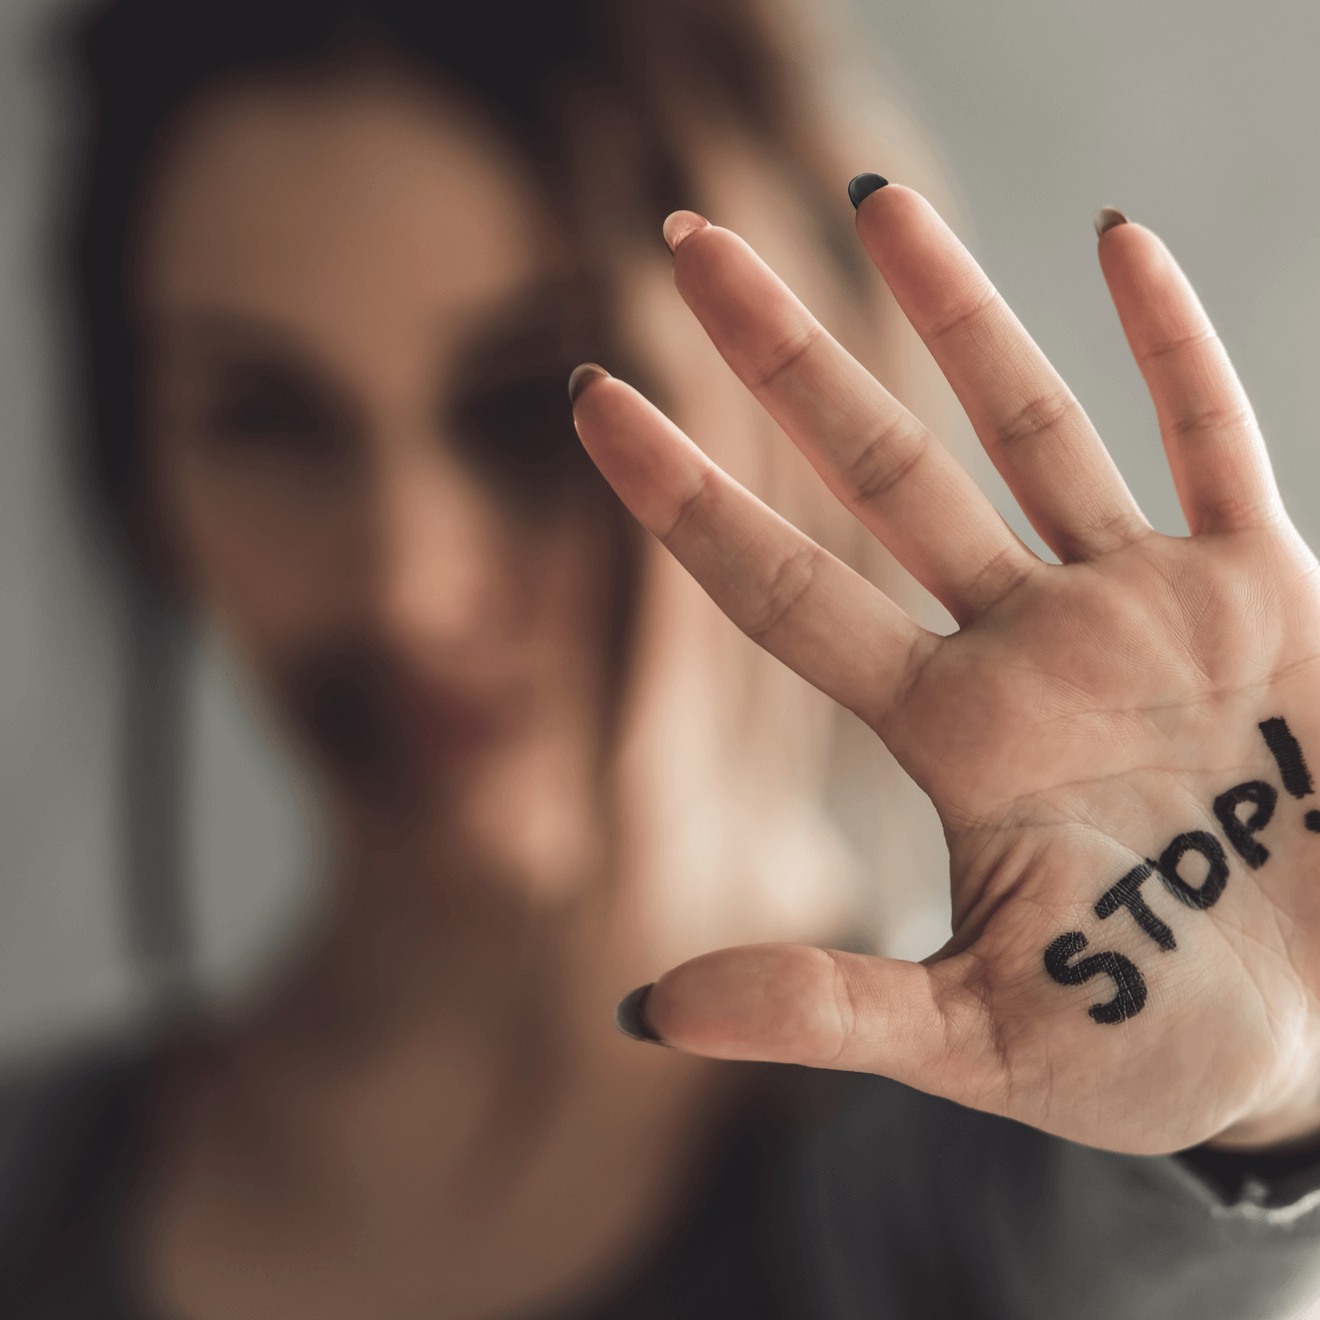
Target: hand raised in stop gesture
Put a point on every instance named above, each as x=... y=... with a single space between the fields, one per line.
x=1116 y=744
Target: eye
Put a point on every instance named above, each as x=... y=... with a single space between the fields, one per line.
x=521 y=432
x=264 y=410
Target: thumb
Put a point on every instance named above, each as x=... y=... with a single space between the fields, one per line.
x=789 y=1003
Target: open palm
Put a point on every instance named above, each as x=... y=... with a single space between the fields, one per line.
x=1116 y=744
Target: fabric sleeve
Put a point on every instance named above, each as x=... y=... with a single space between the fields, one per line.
x=69 y=1153
x=912 y=1206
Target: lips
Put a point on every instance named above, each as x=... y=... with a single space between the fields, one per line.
x=371 y=721
x=336 y=696
x=447 y=723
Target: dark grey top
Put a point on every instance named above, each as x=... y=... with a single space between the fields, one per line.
x=832 y=1196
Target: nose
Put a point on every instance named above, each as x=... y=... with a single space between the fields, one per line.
x=440 y=589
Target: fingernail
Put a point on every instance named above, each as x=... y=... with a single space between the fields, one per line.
x=680 y=224
x=582 y=377
x=1106 y=218
x=861 y=187
x=630 y=1016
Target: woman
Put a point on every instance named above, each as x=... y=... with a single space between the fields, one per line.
x=332 y=259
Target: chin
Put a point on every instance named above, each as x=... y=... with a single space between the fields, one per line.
x=530 y=820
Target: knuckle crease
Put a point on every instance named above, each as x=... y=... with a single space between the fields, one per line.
x=867 y=477
x=792 y=580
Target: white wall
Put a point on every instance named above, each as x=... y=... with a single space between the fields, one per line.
x=63 y=969
x=59 y=640
x=1199 y=118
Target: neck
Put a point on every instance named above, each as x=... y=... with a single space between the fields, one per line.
x=442 y=1067
x=429 y=992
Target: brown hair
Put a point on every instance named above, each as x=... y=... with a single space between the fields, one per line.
x=540 y=69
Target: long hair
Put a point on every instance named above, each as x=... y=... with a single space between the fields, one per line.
x=528 y=63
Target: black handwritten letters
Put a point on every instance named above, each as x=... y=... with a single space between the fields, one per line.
x=1127 y=893
x=1193 y=868
x=1206 y=894
x=1239 y=831
x=1131 y=985
x=1292 y=766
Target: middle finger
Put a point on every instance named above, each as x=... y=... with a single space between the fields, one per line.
x=884 y=465
x=1034 y=430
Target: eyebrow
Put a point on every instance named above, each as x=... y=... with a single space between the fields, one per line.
x=548 y=323
x=218 y=328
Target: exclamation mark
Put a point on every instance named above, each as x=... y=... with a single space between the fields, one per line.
x=1292 y=764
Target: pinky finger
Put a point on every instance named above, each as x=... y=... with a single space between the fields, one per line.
x=801 y=604
x=1216 y=453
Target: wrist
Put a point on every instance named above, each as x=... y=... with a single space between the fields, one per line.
x=1282 y=1131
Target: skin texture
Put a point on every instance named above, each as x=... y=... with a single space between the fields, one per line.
x=321 y=515
x=1081 y=718
x=429 y=1111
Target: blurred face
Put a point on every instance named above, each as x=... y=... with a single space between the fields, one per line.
x=360 y=317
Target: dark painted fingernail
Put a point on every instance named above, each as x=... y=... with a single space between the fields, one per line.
x=863 y=186
x=582 y=377
x=630 y=1016
x=680 y=224
x=1106 y=218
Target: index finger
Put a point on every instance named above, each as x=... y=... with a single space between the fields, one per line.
x=804 y=606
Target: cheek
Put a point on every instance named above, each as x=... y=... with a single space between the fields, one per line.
x=572 y=576
x=276 y=562
x=537 y=808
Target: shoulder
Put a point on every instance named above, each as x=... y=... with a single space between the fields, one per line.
x=50 y=1097
x=70 y=1131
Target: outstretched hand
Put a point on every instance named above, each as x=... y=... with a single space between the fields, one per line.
x=1119 y=746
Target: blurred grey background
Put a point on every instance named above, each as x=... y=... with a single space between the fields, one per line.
x=1199 y=119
